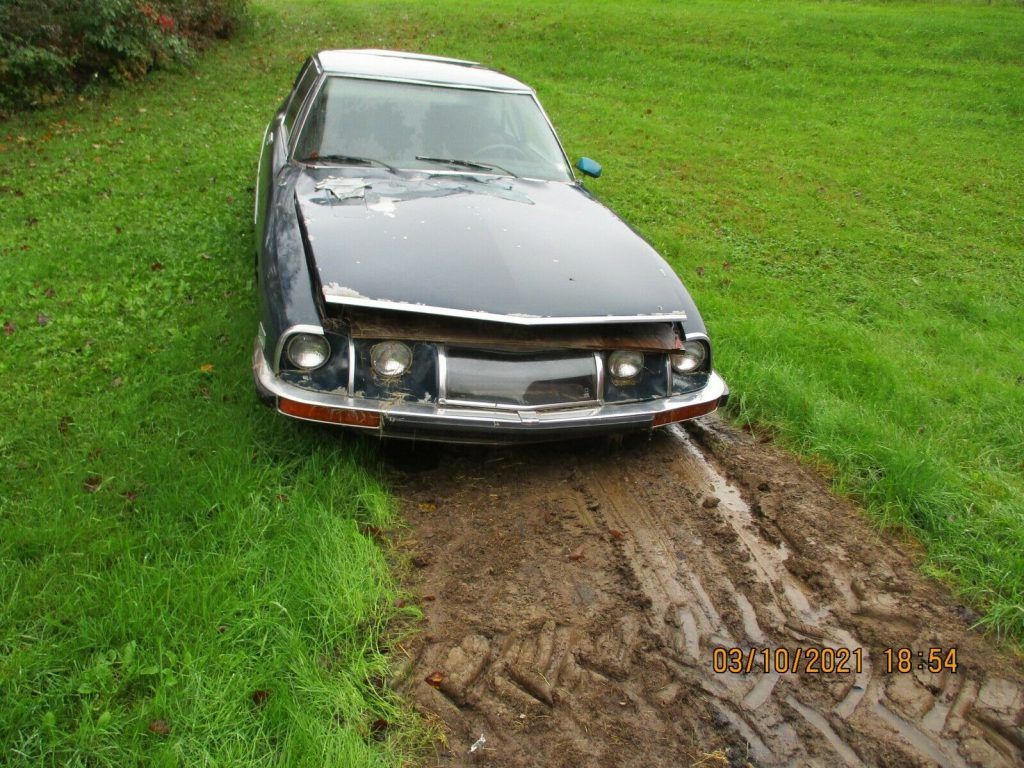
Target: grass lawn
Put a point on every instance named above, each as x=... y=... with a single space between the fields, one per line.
x=185 y=578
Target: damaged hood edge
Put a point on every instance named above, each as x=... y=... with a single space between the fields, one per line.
x=345 y=297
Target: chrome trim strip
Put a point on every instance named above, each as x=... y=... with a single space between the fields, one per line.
x=599 y=362
x=351 y=366
x=288 y=332
x=426 y=309
x=442 y=374
x=558 y=141
x=699 y=336
x=522 y=408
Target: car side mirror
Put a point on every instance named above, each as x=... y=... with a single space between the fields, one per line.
x=589 y=167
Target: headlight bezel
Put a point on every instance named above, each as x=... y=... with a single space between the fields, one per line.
x=635 y=359
x=377 y=353
x=694 y=358
x=294 y=357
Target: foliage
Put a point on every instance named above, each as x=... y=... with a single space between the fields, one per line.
x=50 y=48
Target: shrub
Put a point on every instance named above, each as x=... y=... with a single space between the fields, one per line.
x=52 y=48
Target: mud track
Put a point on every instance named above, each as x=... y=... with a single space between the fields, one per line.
x=573 y=597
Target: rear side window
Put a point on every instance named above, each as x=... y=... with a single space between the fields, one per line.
x=303 y=83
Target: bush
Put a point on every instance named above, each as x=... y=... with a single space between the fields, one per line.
x=52 y=48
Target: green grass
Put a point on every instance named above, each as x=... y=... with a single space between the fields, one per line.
x=840 y=186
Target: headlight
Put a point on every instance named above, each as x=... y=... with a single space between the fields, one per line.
x=625 y=367
x=691 y=358
x=308 y=351
x=390 y=359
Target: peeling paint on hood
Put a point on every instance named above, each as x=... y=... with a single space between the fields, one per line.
x=334 y=290
x=343 y=188
x=381 y=194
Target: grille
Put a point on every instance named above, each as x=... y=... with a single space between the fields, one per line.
x=510 y=380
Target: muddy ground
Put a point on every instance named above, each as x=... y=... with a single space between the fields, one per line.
x=574 y=596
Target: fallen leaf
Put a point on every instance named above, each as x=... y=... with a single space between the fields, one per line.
x=420 y=561
x=429 y=598
x=616 y=534
x=156 y=266
x=49 y=293
x=43 y=319
x=400 y=603
x=259 y=697
x=700 y=271
x=65 y=424
x=205 y=256
x=577 y=554
x=9 y=328
x=428 y=506
x=726 y=266
x=435 y=679
x=159 y=727
x=222 y=628
x=116 y=382
x=206 y=367
x=379 y=727
x=92 y=483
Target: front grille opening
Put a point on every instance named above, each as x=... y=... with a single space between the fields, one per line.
x=499 y=379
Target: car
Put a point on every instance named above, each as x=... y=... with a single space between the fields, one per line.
x=430 y=267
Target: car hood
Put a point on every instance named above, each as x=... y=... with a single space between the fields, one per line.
x=484 y=246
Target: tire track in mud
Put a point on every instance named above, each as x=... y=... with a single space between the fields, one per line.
x=573 y=596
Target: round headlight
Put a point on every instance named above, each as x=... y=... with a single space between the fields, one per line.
x=625 y=367
x=308 y=351
x=390 y=359
x=691 y=358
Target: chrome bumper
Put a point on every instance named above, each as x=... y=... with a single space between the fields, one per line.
x=429 y=421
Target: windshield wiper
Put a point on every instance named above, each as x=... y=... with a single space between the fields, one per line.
x=467 y=164
x=348 y=160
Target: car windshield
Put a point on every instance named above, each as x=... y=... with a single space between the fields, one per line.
x=428 y=127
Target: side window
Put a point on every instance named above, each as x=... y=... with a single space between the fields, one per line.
x=303 y=83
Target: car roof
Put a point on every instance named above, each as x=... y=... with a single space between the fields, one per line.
x=418 y=68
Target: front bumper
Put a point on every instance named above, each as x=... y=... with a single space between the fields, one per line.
x=429 y=421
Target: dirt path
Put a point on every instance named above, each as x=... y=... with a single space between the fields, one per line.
x=574 y=598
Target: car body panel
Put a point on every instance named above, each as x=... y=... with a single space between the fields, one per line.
x=488 y=245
